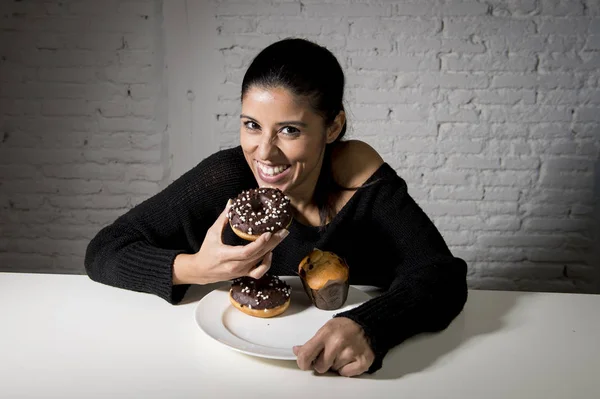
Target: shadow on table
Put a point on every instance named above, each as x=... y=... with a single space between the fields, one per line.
x=196 y=292
x=483 y=314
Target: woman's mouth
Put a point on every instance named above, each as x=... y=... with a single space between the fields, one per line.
x=271 y=173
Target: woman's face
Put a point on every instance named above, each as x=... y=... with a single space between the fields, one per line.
x=283 y=140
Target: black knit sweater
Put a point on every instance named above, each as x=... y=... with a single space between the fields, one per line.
x=385 y=237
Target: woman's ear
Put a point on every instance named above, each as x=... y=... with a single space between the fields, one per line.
x=334 y=130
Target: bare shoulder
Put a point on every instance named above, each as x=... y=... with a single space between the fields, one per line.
x=354 y=162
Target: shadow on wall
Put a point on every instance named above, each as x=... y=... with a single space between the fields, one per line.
x=595 y=261
x=576 y=252
x=584 y=243
x=556 y=246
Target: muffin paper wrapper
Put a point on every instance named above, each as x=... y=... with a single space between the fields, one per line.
x=331 y=296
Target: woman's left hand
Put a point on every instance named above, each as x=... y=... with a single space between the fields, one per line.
x=340 y=345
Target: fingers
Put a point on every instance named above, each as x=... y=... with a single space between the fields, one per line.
x=316 y=355
x=260 y=270
x=269 y=242
x=336 y=346
x=247 y=255
x=256 y=250
x=241 y=260
x=308 y=353
x=343 y=358
x=325 y=359
x=352 y=369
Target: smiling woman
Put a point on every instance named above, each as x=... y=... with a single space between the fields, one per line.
x=292 y=109
x=284 y=141
x=345 y=200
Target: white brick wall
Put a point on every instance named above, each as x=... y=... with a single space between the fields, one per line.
x=81 y=132
x=489 y=109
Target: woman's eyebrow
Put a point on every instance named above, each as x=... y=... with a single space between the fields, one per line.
x=297 y=123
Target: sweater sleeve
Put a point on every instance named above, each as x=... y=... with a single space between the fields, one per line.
x=429 y=287
x=137 y=251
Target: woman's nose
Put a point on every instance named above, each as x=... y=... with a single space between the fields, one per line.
x=267 y=147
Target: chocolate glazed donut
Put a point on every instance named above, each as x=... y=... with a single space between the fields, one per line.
x=268 y=296
x=260 y=210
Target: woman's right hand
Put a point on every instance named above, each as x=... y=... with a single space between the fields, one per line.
x=216 y=262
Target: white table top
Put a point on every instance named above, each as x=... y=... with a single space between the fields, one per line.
x=65 y=336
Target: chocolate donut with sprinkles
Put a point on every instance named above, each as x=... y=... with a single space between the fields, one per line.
x=259 y=210
x=268 y=296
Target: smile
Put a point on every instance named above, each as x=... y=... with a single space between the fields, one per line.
x=271 y=170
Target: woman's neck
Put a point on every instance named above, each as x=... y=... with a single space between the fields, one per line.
x=303 y=202
x=304 y=206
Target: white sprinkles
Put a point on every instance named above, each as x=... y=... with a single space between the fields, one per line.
x=263 y=209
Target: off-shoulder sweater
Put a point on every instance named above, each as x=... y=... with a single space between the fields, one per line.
x=384 y=236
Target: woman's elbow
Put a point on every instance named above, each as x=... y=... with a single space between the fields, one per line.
x=98 y=253
x=91 y=260
x=452 y=296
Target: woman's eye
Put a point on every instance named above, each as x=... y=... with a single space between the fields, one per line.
x=251 y=125
x=290 y=131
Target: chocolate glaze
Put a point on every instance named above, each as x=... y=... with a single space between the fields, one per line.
x=259 y=210
x=265 y=293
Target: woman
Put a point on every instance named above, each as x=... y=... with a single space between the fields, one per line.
x=346 y=200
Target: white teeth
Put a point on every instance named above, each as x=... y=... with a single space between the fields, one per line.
x=271 y=171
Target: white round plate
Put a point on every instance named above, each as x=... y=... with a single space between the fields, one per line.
x=271 y=337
